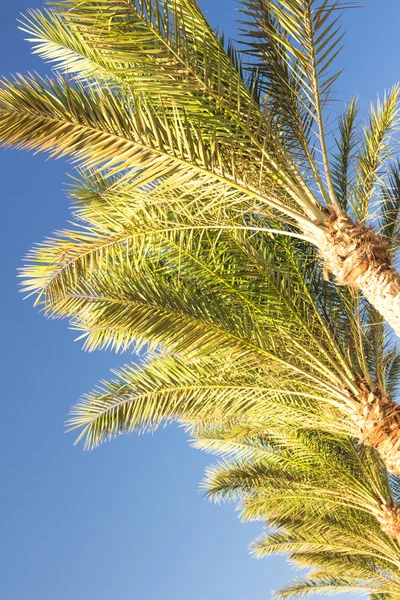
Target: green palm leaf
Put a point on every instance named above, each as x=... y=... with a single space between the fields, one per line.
x=322 y=498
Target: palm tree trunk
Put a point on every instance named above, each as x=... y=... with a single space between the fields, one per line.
x=359 y=258
x=378 y=423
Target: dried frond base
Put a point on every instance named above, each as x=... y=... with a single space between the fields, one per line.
x=359 y=258
x=390 y=521
x=378 y=421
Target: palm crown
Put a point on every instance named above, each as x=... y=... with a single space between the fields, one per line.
x=156 y=99
x=326 y=502
x=243 y=321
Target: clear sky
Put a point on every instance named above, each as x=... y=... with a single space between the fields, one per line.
x=127 y=521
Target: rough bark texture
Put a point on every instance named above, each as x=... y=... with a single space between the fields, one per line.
x=390 y=521
x=358 y=257
x=378 y=421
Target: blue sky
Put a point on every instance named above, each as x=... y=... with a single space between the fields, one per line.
x=127 y=521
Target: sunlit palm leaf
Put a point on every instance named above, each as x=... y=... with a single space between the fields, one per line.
x=322 y=496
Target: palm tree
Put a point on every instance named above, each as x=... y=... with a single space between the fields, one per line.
x=151 y=95
x=236 y=322
x=180 y=195
x=251 y=337
x=327 y=504
x=255 y=347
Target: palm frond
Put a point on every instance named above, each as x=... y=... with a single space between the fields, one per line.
x=131 y=40
x=342 y=167
x=271 y=72
x=296 y=42
x=323 y=584
x=169 y=389
x=374 y=152
x=321 y=497
x=390 y=208
x=117 y=133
